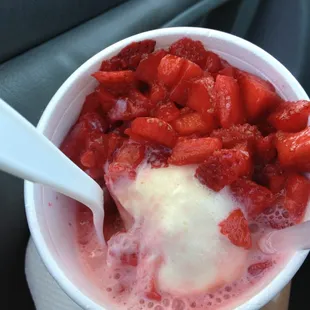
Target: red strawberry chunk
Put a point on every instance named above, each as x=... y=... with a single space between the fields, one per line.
x=228 y=71
x=106 y=99
x=228 y=101
x=125 y=110
x=290 y=116
x=152 y=292
x=88 y=159
x=94 y=122
x=158 y=93
x=129 y=57
x=179 y=92
x=237 y=134
x=114 y=142
x=139 y=99
x=130 y=154
x=223 y=167
x=189 y=49
x=113 y=64
x=186 y=110
x=258 y=268
x=236 y=228
x=256 y=198
x=91 y=104
x=192 y=123
x=199 y=97
x=259 y=97
x=74 y=143
x=266 y=149
x=147 y=69
x=133 y=52
x=130 y=107
x=213 y=62
x=126 y=160
x=273 y=177
x=193 y=151
x=297 y=190
x=170 y=69
x=158 y=156
x=294 y=149
x=167 y=112
x=118 y=82
x=154 y=130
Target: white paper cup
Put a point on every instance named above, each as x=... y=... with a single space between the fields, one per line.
x=51 y=216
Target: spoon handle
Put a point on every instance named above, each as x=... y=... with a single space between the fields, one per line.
x=28 y=154
x=296 y=237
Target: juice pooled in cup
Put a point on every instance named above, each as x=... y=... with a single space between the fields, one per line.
x=197 y=160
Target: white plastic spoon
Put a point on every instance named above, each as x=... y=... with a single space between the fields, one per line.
x=28 y=154
x=296 y=237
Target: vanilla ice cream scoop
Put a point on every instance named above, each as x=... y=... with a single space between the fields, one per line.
x=180 y=219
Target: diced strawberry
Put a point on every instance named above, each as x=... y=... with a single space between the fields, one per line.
x=194 y=151
x=158 y=93
x=256 y=198
x=228 y=101
x=118 y=170
x=189 y=49
x=130 y=107
x=133 y=52
x=170 y=69
x=152 y=292
x=185 y=138
x=259 y=97
x=130 y=154
x=139 y=99
x=158 y=157
x=113 y=64
x=91 y=104
x=126 y=160
x=223 y=167
x=199 y=98
x=125 y=110
x=273 y=177
x=106 y=99
x=154 y=130
x=266 y=149
x=290 y=116
x=294 y=149
x=94 y=122
x=118 y=82
x=186 y=110
x=179 y=92
x=129 y=57
x=74 y=143
x=114 y=142
x=257 y=268
x=167 y=112
x=213 y=62
x=147 y=69
x=265 y=128
x=228 y=71
x=236 y=228
x=191 y=123
x=88 y=159
x=297 y=190
x=237 y=134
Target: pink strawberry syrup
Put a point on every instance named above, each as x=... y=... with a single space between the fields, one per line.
x=123 y=286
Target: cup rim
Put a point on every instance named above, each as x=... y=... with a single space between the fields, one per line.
x=266 y=293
